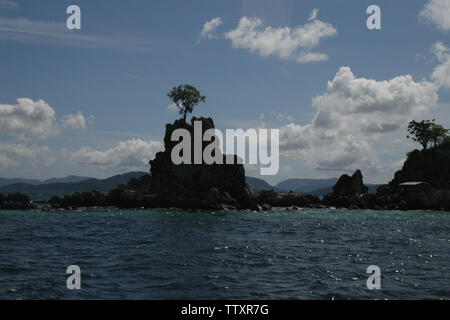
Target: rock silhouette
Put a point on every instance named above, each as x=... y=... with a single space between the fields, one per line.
x=347 y=185
x=194 y=186
x=349 y=192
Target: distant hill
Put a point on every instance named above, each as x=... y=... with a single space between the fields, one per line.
x=40 y=190
x=318 y=187
x=68 y=179
x=35 y=182
x=258 y=184
x=45 y=191
x=5 y=182
x=305 y=185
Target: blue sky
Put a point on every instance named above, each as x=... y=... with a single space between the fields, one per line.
x=103 y=88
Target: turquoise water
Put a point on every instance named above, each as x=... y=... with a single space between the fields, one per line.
x=163 y=254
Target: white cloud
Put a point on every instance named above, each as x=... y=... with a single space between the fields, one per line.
x=312 y=57
x=438 y=13
x=284 y=42
x=441 y=74
x=11 y=155
x=313 y=14
x=28 y=119
x=172 y=107
x=284 y=117
x=8 y=4
x=354 y=114
x=76 y=121
x=130 y=154
x=210 y=27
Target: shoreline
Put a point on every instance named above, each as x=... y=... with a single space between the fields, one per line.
x=272 y=210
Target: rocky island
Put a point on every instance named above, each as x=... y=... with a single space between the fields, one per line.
x=189 y=186
x=423 y=183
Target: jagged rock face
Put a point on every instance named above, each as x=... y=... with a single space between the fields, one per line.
x=215 y=183
x=347 y=185
x=432 y=166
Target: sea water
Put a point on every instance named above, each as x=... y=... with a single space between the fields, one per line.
x=173 y=254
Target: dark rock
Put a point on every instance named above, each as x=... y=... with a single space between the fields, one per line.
x=350 y=192
x=431 y=166
x=289 y=199
x=347 y=185
x=423 y=183
x=15 y=201
x=192 y=186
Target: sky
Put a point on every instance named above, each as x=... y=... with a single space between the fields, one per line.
x=93 y=102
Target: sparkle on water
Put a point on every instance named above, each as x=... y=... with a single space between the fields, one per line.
x=172 y=254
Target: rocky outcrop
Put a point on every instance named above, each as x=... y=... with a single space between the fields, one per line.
x=15 y=201
x=195 y=186
x=288 y=199
x=431 y=166
x=423 y=182
x=347 y=185
x=412 y=196
x=349 y=192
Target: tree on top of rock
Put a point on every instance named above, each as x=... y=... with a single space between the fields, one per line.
x=186 y=97
x=426 y=131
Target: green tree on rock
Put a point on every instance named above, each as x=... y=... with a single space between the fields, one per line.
x=426 y=131
x=186 y=97
x=438 y=134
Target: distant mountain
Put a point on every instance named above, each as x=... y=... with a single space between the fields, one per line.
x=45 y=191
x=5 y=182
x=68 y=179
x=258 y=184
x=35 y=182
x=305 y=185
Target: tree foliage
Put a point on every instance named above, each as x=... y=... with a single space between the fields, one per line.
x=438 y=134
x=186 y=97
x=426 y=132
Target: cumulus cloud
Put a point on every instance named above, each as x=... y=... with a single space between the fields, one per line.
x=11 y=155
x=28 y=119
x=210 y=27
x=441 y=74
x=352 y=115
x=130 y=154
x=438 y=13
x=76 y=121
x=286 y=43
